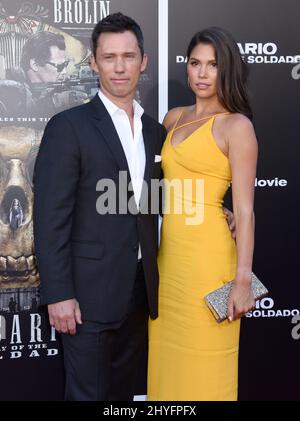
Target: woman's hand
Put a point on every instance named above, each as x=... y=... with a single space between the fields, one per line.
x=241 y=299
x=230 y=221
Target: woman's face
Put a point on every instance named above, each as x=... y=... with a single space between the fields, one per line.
x=202 y=71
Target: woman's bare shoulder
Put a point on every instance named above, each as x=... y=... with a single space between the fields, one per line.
x=171 y=117
x=239 y=127
x=238 y=121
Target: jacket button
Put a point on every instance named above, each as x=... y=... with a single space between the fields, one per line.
x=135 y=248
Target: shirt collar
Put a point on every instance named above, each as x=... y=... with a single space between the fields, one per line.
x=113 y=108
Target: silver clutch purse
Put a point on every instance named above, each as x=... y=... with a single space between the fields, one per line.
x=217 y=300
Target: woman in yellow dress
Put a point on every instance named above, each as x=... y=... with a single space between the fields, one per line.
x=209 y=145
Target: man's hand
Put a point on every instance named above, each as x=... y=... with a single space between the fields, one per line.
x=64 y=316
x=231 y=222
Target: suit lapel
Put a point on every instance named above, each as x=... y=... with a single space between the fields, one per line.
x=148 y=136
x=149 y=150
x=107 y=129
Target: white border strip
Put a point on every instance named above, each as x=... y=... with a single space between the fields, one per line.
x=163 y=57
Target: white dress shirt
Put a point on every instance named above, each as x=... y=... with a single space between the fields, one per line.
x=132 y=143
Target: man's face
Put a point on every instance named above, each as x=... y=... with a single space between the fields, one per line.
x=50 y=71
x=119 y=64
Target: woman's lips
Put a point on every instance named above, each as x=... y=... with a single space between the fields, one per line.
x=202 y=85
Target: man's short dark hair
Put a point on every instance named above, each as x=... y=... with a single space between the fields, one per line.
x=117 y=23
x=38 y=46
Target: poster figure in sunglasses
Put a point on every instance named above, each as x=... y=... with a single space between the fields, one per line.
x=43 y=70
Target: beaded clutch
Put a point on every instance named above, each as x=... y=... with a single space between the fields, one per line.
x=217 y=300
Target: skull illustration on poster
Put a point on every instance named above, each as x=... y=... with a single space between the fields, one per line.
x=18 y=148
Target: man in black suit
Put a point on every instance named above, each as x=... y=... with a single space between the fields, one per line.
x=98 y=269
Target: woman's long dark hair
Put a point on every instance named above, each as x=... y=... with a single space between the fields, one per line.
x=232 y=70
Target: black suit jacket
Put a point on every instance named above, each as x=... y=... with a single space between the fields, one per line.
x=81 y=253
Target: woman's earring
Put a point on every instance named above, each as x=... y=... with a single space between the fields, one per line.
x=188 y=82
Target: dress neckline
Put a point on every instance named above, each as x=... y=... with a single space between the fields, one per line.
x=175 y=127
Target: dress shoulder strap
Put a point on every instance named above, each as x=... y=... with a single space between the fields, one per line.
x=177 y=120
x=196 y=121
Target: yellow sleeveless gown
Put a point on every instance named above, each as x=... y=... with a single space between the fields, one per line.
x=191 y=356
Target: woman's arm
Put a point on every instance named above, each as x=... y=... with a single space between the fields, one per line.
x=242 y=147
